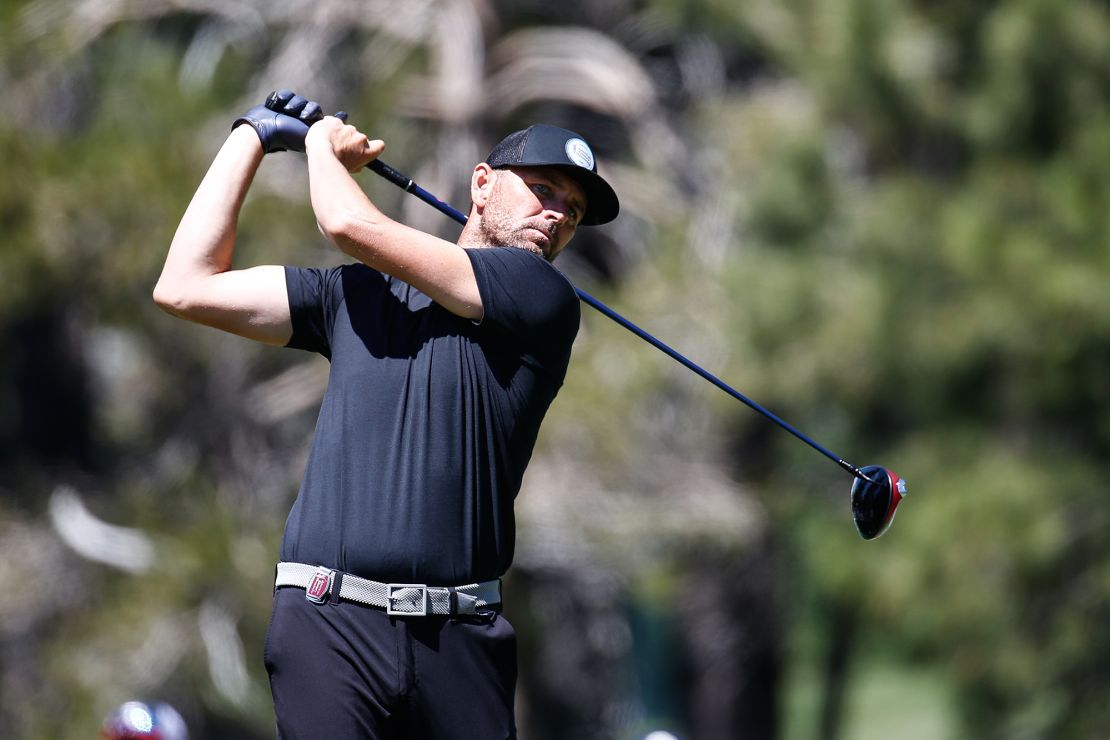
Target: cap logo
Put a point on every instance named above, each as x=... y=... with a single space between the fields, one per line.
x=579 y=152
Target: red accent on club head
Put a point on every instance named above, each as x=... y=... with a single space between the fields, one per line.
x=895 y=490
x=897 y=493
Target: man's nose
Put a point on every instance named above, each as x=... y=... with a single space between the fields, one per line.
x=556 y=212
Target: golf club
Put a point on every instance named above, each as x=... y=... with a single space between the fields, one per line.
x=876 y=491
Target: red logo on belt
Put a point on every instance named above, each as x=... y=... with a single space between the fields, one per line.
x=318 y=588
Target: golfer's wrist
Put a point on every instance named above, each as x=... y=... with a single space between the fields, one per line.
x=317 y=140
x=245 y=138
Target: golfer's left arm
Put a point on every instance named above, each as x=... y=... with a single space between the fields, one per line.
x=436 y=267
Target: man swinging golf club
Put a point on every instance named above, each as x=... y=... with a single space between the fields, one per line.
x=444 y=359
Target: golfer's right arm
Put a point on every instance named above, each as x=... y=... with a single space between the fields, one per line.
x=198 y=282
x=349 y=219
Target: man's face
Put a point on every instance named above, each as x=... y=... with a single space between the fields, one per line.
x=534 y=208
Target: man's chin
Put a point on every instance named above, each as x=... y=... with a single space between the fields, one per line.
x=530 y=247
x=531 y=243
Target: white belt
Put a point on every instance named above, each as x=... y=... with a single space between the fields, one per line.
x=401 y=599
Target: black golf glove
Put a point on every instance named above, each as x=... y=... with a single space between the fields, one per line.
x=283 y=121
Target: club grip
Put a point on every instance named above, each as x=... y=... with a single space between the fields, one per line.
x=399 y=179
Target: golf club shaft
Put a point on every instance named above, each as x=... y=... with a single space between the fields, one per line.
x=407 y=184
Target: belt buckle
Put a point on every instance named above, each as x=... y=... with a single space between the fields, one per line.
x=392 y=598
x=320 y=586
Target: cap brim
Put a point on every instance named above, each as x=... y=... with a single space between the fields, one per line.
x=602 y=205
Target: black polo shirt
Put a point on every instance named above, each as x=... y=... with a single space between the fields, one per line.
x=429 y=419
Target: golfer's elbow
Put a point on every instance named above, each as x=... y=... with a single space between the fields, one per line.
x=340 y=225
x=168 y=298
x=173 y=297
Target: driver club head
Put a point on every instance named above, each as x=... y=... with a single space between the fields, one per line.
x=875 y=500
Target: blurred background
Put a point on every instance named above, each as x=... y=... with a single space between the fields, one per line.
x=886 y=220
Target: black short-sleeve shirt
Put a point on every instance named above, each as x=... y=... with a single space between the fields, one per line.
x=429 y=419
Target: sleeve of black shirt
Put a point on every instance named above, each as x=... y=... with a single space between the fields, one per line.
x=314 y=297
x=525 y=296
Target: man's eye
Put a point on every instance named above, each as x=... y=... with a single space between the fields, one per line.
x=541 y=189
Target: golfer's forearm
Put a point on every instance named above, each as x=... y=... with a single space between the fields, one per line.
x=337 y=200
x=205 y=240
x=348 y=218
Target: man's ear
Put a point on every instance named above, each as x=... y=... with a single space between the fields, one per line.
x=481 y=184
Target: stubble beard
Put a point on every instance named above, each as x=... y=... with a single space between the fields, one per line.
x=497 y=228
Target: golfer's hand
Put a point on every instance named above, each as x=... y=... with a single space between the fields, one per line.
x=350 y=146
x=283 y=121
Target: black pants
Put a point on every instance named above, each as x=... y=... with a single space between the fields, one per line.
x=343 y=670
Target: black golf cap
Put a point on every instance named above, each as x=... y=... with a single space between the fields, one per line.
x=550 y=146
